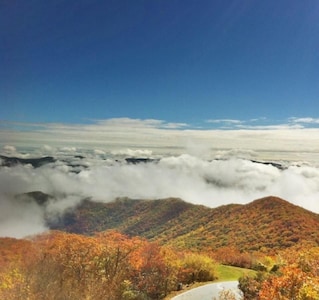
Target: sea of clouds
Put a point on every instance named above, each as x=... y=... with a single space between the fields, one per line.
x=102 y=176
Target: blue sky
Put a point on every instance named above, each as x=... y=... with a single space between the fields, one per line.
x=193 y=62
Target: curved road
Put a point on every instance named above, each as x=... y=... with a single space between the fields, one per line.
x=209 y=291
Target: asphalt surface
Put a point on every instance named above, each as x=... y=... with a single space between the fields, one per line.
x=209 y=291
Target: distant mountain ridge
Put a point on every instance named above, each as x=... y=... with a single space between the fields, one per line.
x=36 y=162
x=7 y=161
x=264 y=224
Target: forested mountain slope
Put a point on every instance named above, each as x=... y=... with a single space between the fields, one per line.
x=264 y=224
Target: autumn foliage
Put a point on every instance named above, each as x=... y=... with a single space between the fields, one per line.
x=176 y=243
x=295 y=278
x=265 y=225
x=109 y=265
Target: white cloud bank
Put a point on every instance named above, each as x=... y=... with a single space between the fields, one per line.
x=212 y=183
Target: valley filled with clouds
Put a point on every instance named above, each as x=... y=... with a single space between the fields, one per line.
x=76 y=174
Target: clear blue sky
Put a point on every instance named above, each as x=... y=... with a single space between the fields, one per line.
x=72 y=61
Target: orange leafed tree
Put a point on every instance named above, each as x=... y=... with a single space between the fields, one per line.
x=297 y=278
x=109 y=265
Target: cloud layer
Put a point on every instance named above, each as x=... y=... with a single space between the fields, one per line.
x=199 y=181
x=292 y=140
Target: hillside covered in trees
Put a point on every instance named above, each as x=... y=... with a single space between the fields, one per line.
x=144 y=249
x=108 y=265
x=266 y=225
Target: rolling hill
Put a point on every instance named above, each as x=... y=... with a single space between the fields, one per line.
x=265 y=224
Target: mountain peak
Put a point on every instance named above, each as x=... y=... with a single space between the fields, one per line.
x=269 y=202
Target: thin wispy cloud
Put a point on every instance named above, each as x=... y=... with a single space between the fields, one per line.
x=223 y=121
x=308 y=120
x=265 y=124
x=270 y=127
x=138 y=123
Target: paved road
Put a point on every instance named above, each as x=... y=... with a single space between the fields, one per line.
x=209 y=291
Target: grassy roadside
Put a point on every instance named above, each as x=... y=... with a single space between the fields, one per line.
x=228 y=273
x=224 y=273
